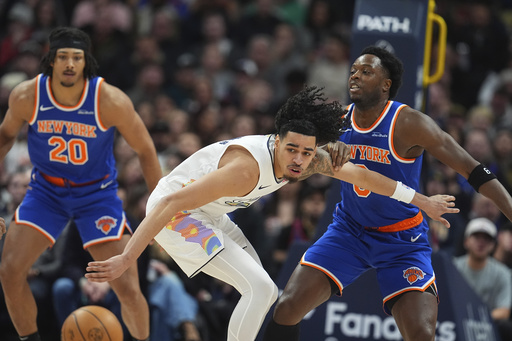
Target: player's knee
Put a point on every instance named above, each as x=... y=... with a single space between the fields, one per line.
x=127 y=292
x=421 y=332
x=266 y=289
x=8 y=273
x=285 y=307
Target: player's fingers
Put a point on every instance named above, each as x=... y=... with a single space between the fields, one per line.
x=98 y=276
x=445 y=222
x=449 y=198
x=96 y=268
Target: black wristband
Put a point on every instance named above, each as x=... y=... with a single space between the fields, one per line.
x=479 y=176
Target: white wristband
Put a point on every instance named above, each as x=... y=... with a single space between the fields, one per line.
x=403 y=193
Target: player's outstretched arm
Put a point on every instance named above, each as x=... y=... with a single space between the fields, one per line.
x=434 y=206
x=206 y=189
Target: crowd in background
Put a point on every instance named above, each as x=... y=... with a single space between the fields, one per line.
x=200 y=71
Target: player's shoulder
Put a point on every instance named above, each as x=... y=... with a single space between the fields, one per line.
x=25 y=88
x=23 y=94
x=411 y=115
x=111 y=96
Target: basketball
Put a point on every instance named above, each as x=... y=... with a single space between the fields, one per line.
x=91 y=323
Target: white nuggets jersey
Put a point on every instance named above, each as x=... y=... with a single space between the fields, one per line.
x=193 y=237
x=207 y=159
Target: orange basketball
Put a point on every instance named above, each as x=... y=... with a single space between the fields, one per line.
x=91 y=323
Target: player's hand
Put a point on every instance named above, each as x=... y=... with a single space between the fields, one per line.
x=339 y=152
x=3 y=229
x=107 y=270
x=438 y=205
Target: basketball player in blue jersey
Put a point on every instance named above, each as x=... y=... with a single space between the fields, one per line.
x=72 y=116
x=187 y=212
x=390 y=138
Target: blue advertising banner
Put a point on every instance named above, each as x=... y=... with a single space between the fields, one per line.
x=399 y=26
x=358 y=314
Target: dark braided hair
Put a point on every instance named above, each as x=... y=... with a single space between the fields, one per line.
x=309 y=114
x=91 y=66
x=391 y=64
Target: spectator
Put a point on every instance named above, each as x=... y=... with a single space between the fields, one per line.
x=174 y=311
x=17 y=185
x=19 y=30
x=150 y=83
x=503 y=251
x=490 y=279
x=480 y=50
x=260 y=18
x=321 y=20
x=259 y=50
x=48 y=15
x=214 y=66
x=28 y=59
x=214 y=32
x=331 y=69
x=286 y=56
x=181 y=89
x=145 y=51
x=245 y=72
x=310 y=207
x=483 y=207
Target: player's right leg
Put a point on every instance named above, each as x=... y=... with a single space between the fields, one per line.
x=306 y=289
x=239 y=269
x=23 y=245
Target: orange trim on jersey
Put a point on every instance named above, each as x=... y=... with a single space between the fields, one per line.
x=392 y=134
x=110 y=239
x=97 y=101
x=376 y=121
x=36 y=99
x=401 y=225
x=431 y=282
x=325 y=272
x=35 y=227
x=80 y=101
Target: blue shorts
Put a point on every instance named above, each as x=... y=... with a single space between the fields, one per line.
x=96 y=210
x=401 y=259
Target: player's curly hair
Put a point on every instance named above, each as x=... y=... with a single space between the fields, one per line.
x=91 y=65
x=391 y=64
x=310 y=114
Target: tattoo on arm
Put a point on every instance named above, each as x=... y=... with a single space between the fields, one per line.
x=321 y=163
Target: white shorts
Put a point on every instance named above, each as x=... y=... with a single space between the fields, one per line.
x=193 y=238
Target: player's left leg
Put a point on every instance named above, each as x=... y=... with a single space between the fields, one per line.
x=134 y=307
x=415 y=313
x=23 y=245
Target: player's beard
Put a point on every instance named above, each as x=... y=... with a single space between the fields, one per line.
x=291 y=179
x=67 y=85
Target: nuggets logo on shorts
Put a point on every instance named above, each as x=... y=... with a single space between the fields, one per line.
x=105 y=224
x=413 y=274
x=195 y=232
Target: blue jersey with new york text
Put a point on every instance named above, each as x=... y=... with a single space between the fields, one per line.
x=372 y=148
x=70 y=142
